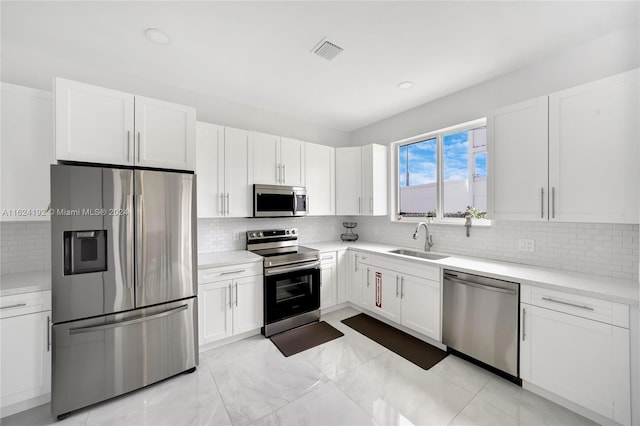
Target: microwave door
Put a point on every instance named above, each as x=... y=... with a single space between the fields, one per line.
x=91 y=241
x=165 y=236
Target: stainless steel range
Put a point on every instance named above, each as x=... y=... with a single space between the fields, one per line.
x=291 y=279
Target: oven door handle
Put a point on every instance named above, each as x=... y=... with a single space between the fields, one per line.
x=297 y=267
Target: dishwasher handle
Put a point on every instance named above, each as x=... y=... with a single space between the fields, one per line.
x=457 y=280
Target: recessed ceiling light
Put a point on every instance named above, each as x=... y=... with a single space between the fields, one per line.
x=157 y=36
x=405 y=85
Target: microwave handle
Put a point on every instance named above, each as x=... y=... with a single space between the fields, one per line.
x=67 y=253
x=295 y=204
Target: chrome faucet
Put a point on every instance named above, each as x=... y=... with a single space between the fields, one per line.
x=429 y=242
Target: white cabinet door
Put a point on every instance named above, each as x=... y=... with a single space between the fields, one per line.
x=25 y=357
x=386 y=293
x=345 y=267
x=320 y=179
x=374 y=180
x=93 y=124
x=238 y=175
x=421 y=305
x=27 y=144
x=292 y=161
x=582 y=360
x=214 y=311
x=349 y=178
x=266 y=165
x=518 y=155
x=210 y=169
x=165 y=134
x=328 y=279
x=247 y=304
x=594 y=166
x=368 y=287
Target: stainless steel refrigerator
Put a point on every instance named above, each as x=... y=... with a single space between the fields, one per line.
x=123 y=281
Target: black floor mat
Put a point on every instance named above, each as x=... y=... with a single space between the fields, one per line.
x=302 y=338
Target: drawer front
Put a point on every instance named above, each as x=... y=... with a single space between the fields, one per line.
x=327 y=257
x=417 y=269
x=27 y=303
x=366 y=258
x=229 y=272
x=582 y=306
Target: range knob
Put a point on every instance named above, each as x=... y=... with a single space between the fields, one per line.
x=260 y=234
x=252 y=234
x=287 y=232
x=293 y=231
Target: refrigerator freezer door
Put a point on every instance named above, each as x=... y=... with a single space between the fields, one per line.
x=91 y=201
x=165 y=237
x=99 y=358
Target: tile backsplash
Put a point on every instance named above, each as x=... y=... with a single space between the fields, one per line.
x=602 y=249
x=25 y=246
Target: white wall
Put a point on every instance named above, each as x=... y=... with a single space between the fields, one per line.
x=608 y=55
x=35 y=69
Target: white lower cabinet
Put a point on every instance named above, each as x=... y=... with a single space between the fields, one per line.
x=421 y=305
x=231 y=302
x=25 y=350
x=344 y=268
x=328 y=279
x=577 y=348
x=385 y=292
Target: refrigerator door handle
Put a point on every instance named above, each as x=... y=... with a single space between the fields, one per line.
x=127 y=322
x=140 y=246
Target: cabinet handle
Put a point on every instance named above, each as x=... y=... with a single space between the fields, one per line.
x=277 y=173
x=138 y=147
x=397 y=279
x=233 y=272
x=236 y=294
x=553 y=202
x=327 y=258
x=48 y=333
x=221 y=204
x=284 y=173
x=368 y=283
x=226 y=203
x=585 y=307
x=401 y=287
x=230 y=297
x=524 y=329
x=542 y=203
x=128 y=144
x=17 y=305
x=356 y=264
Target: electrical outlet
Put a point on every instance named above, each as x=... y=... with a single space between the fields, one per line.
x=525 y=244
x=236 y=235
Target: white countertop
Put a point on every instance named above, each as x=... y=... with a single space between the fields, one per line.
x=25 y=282
x=225 y=258
x=607 y=288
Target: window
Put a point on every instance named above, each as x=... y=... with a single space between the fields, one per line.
x=443 y=174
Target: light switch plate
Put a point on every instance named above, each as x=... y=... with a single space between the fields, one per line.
x=525 y=244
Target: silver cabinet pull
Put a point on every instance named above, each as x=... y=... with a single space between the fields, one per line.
x=48 y=333
x=327 y=258
x=128 y=144
x=284 y=174
x=585 y=307
x=117 y=324
x=226 y=203
x=233 y=272
x=356 y=264
x=368 y=283
x=542 y=203
x=278 y=173
x=236 y=294
x=397 y=292
x=17 y=305
x=230 y=297
x=401 y=287
x=553 y=202
x=524 y=329
x=138 y=147
x=221 y=211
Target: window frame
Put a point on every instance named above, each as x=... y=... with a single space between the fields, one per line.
x=394 y=160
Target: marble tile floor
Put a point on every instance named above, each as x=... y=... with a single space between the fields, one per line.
x=348 y=381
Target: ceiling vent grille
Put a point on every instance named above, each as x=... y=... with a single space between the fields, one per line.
x=327 y=50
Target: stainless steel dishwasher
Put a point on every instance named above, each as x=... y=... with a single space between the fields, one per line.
x=480 y=320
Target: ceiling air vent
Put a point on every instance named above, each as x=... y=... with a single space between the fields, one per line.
x=327 y=50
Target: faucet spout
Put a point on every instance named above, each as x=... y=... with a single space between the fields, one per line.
x=429 y=240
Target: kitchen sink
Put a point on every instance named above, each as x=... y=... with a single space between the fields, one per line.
x=420 y=254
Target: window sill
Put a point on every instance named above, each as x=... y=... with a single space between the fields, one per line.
x=484 y=223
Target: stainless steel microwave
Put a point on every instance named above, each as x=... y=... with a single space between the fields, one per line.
x=279 y=201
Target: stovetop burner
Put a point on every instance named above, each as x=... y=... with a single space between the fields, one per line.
x=280 y=247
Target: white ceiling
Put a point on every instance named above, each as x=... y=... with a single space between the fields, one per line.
x=258 y=53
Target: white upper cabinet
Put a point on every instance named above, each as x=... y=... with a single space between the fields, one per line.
x=27 y=144
x=224 y=176
x=278 y=161
x=572 y=156
x=361 y=173
x=518 y=150
x=320 y=177
x=99 y=125
x=594 y=148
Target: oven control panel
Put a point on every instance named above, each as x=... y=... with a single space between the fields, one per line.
x=272 y=234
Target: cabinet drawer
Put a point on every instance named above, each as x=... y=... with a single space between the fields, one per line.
x=27 y=303
x=582 y=306
x=229 y=272
x=366 y=258
x=327 y=257
x=417 y=269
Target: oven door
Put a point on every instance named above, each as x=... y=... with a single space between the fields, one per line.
x=291 y=290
